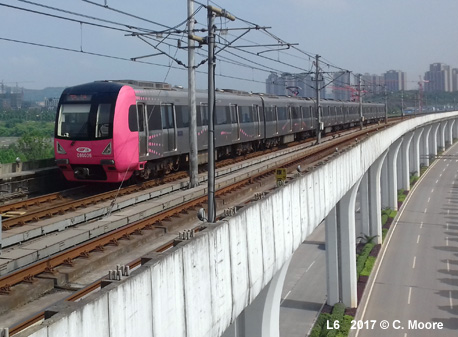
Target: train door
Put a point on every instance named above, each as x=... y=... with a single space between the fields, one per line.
x=290 y=116
x=257 y=119
x=235 y=122
x=169 y=129
x=142 y=130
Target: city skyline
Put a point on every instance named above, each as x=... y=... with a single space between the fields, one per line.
x=344 y=33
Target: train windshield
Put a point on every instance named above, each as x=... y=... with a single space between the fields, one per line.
x=85 y=121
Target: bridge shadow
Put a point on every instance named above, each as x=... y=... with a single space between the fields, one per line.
x=320 y=244
x=449 y=323
x=302 y=305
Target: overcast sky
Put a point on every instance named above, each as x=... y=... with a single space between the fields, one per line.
x=371 y=36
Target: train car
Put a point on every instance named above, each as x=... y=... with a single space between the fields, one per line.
x=107 y=131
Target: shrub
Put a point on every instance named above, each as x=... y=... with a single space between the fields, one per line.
x=320 y=322
x=384 y=232
x=368 y=266
x=345 y=325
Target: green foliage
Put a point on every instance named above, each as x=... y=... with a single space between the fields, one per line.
x=35 y=146
x=384 y=232
x=345 y=325
x=384 y=219
x=368 y=266
x=361 y=260
x=319 y=324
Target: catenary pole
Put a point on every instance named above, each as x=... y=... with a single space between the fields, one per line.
x=211 y=13
x=193 y=152
x=318 y=104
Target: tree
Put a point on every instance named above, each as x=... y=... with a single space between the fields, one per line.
x=35 y=146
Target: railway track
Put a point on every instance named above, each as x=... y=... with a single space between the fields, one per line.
x=161 y=225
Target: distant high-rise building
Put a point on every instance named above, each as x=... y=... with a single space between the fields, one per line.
x=454 y=79
x=288 y=84
x=438 y=78
x=395 y=80
x=373 y=84
x=342 y=89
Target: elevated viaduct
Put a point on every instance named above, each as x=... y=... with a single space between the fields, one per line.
x=228 y=279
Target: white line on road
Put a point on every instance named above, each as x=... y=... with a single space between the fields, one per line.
x=410 y=294
x=414 y=259
x=421 y=225
x=418 y=238
x=310 y=266
x=450 y=298
x=429 y=199
x=448 y=265
x=289 y=292
x=425 y=210
x=446 y=240
x=437 y=181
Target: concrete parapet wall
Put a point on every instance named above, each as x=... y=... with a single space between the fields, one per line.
x=202 y=285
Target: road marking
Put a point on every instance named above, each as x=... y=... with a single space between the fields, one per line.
x=448 y=265
x=410 y=294
x=446 y=226
x=310 y=266
x=432 y=190
x=388 y=240
x=421 y=224
x=448 y=212
x=429 y=199
x=289 y=292
x=425 y=210
x=414 y=259
x=446 y=240
x=450 y=298
x=437 y=181
x=418 y=238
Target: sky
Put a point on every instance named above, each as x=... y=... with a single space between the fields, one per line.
x=363 y=36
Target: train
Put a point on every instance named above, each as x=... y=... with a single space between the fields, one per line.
x=112 y=131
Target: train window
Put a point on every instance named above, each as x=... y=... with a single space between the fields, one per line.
x=281 y=113
x=233 y=111
x=270 y=115
x=141 y=117
x=167 y=116
x=103 y=121
x=182 y=115
x=73 y=120
x=133 y=125
x=154 y=120
x=246 y=114
x=202 y=115
x=222 y=115
x=295 y=114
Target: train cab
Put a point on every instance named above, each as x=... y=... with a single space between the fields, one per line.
x=93 y=140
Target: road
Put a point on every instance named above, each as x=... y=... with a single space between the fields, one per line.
x=416 y=283
x=304 y=291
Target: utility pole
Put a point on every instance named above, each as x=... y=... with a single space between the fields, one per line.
x=193 y=152
x=402 y=103
x=386 y=106
x=318 y=104
x=360 y=100
x=211 y=13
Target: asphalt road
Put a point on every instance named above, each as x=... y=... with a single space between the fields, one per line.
x=415 y=291
x=304 y=291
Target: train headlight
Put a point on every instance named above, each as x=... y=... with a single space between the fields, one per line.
x=60 y=149
x=107 y=149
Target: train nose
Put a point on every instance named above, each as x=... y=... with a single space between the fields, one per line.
x=81 y=172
